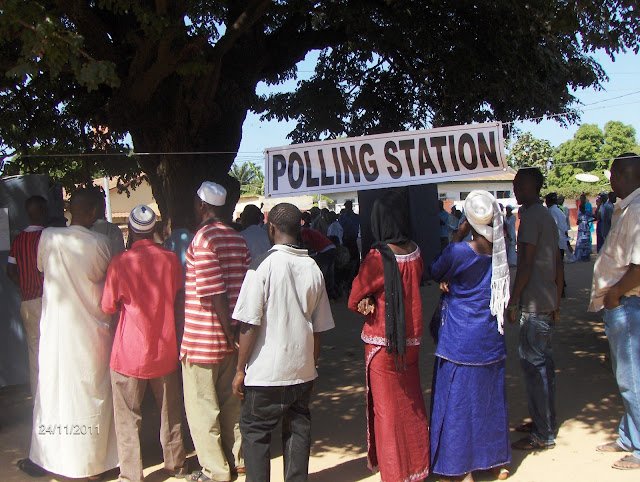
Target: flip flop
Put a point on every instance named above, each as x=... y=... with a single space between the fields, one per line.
x=30 y=468
x=628 y=462
x=528 y=443
x=501 y=473
x=610 y=447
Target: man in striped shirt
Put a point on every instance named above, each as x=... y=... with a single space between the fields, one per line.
x=22 y=270
x=217 y=261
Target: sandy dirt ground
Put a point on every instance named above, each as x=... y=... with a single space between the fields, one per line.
x=588 y=405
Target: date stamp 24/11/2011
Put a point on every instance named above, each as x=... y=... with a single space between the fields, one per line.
x=72 y=429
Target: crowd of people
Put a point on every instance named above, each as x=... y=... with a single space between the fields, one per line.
x=226 y=322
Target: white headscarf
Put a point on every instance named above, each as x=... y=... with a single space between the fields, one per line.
x=484 y=214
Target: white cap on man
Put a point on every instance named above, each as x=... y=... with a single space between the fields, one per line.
x=142 y=219
x=212 y=193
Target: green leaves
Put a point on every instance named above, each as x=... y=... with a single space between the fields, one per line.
x=590 y=150
x=250 y=176
x=93 y=74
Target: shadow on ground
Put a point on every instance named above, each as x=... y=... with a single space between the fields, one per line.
x=586 y=391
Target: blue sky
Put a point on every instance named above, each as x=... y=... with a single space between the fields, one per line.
x=619 y=100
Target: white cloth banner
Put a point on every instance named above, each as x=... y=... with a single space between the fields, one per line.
x=385 y=160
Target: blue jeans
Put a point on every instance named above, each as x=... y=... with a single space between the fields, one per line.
x=536 y=359
x=622 y=326
x=262 y=409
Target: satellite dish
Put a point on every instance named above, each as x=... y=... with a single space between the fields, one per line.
x=607 y=174
x=585 y=177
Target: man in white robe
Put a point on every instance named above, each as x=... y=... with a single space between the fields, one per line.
x=73 y=426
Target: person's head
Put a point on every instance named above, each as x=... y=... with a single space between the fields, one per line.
x=210 y=201
x=83 y=207
x=101 y=207
x=36 y=207
x=583 y=198
x=603 y=197
x=283 y=224
x=142 y=223
x=625 y=174
x=250 y=216
x=315 y=212
x=306 y=219
x=551 y=199
x=480 y=209
x=612 y=197
x=527 y=185
x=583 y=207
x=509 y=210
x=560 y=200
x=232 y=187
x=348 y=205
x=325 y=214
x=390 y=218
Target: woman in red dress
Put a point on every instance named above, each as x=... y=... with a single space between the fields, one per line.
x=387 y=292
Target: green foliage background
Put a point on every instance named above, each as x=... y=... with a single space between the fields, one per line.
x=591 y=150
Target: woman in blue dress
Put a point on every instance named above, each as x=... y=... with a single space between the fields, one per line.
x=584 y=242
x=469 y=422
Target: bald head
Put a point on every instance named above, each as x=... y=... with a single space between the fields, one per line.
x=83 y=207
x=625 y=174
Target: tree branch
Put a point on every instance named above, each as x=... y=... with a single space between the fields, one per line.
x=90 y=26
x=209 y=86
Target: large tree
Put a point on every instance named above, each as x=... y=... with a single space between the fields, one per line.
x=180 y=75
x=590 y=150
x=529 y=151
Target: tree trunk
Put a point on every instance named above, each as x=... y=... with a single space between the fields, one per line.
x=175 y=178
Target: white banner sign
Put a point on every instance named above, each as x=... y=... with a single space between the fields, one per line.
x=385 y=160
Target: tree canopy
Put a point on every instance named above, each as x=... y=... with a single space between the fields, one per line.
x=250 y=177
x=591 y=150
x=180 y=75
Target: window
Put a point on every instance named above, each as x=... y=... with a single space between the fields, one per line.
x=503 y=194
x=464 y=194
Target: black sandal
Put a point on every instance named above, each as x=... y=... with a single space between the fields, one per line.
x=30 y=468
x=527 y=443
x=526 y=427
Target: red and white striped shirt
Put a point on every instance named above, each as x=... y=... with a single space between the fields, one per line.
x=24 y=253
x=217 y=261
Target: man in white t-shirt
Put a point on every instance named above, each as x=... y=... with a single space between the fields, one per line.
x=283 y=306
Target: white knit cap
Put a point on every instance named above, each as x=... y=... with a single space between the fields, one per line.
x=484 y=214
x=212 y=193
x=142 y=219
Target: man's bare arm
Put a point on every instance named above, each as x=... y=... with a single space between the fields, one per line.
x=316 y=348
x=559 y=280
x=247 y=341
x=220 y=304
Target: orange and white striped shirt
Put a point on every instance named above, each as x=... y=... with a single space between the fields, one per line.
x=216 y=262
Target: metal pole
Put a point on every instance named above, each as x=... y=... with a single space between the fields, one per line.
x=107 y=198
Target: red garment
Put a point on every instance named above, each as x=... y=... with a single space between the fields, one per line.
x=370 y=282
x=315 y=240
x=24 y=254
x=217 y=261
x=397 y=425
x=142 y=283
